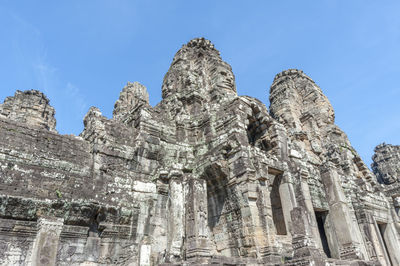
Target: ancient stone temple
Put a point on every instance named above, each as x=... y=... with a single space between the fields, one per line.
x=204 y=177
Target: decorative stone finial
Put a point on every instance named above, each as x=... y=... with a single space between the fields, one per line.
x=290 y=73
x=200 y=43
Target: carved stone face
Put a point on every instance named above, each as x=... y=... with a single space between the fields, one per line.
x=224 y=78
x=168 y=85
x=198 y=68
x=396 y=201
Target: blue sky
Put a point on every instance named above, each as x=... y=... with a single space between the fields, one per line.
x=82 y=53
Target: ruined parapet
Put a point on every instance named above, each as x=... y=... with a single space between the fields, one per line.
x=386 y=163
x=29 y=107
x=132 y=96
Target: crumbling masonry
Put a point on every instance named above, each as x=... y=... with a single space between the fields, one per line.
x=204 y=177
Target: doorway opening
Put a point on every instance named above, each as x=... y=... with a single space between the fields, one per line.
x=276 y=205
x=321 y=218
x=382 y=229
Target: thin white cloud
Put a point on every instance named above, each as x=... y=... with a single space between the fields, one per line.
x=75 y=93
x=45 y=74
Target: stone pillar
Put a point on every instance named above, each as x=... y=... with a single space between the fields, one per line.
x=269 y=251
x=288 y=199
x=379 y=244
x=374 y=246
x=347 y=230
x=391 y=238
x=396 y=204
x=45 y=247
x=197 y=237
x=176 y=212
x=92 y=248
x=306 y=201
x=145 y=252
x=258 y=230
x=305 y=251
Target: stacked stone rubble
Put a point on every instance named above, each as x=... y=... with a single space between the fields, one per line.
x=206 y=176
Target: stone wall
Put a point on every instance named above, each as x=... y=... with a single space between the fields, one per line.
x=204 y=177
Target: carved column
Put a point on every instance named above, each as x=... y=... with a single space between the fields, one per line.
x=92 y=248
x=307 y=245
x=306 y=201
x=372 y=241
x=396 y=204
x=145 y=252
x=266 y=239
x=288 y=198
x=258 y=229
x=45 y=247
x=197 y=246
x=176 y=213
x=305 y=250
x=391 y=238
x=347 y=230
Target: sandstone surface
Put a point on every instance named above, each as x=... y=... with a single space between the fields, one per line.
x=205 y=177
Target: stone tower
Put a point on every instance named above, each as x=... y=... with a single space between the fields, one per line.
x=204 y=177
